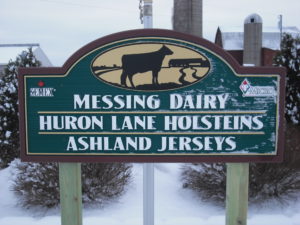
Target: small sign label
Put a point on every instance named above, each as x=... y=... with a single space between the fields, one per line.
x=42 y=92
x=256 y=91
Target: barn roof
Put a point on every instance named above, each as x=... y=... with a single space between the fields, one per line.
x=233 y=38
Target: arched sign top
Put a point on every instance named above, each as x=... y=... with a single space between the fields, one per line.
x=162 y=33
x=150 y=36
x=151 y=95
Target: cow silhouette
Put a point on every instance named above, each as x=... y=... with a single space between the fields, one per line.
x=143 y=62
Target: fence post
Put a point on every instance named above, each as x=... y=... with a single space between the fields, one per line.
x=70 y=193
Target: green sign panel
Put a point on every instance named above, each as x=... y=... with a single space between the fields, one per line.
x=151 y=96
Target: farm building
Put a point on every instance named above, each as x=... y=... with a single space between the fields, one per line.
x=232 y=40
x=11 y=51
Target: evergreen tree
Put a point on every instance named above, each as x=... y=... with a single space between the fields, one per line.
x=289 y=57
x=9 y=113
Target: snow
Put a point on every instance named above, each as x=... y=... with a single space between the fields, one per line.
x=271 y=40
x=7 y=134
x=173 y=205
x=233 y=40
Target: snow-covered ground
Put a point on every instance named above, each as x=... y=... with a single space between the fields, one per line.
x=173 y=206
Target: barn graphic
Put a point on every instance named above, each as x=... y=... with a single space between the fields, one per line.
x=150 y=66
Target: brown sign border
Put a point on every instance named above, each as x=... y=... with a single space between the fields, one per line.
x=184 y=158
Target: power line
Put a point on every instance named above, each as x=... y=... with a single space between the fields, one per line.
x=20 y=45
x=84 y=5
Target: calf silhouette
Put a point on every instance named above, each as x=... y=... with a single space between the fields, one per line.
x=143 y=62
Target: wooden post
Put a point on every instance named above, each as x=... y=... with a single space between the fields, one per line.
x=70 y=193
x=237 y=183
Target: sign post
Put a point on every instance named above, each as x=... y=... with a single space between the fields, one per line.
x=237 y=184
x=70 y=193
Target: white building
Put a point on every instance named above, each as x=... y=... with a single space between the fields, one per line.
x=11 y=51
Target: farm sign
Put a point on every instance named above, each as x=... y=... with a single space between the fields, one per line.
x=151 y=96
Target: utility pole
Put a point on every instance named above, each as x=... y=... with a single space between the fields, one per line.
x=148 y=168
x=147 y=13
x=280 y=29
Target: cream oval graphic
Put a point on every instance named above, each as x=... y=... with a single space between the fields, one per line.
x=150 y=66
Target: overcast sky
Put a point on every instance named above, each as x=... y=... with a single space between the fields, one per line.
x=63 y=26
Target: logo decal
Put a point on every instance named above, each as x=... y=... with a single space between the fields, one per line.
x=150 y=66
x=42 y=91
x=256 y=91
